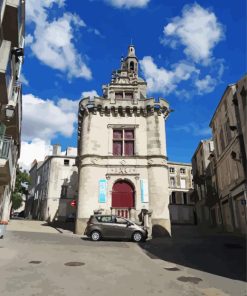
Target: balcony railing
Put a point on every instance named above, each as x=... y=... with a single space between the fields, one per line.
x=8 y=150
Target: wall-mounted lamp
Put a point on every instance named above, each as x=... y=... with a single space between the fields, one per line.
x=9 y=111
x=17 y=52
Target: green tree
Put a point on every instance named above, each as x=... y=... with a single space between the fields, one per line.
x=21 y=187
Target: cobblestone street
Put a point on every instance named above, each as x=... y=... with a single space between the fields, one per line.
x=36 y=259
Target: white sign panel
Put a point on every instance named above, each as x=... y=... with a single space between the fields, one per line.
x=102 y=190
x=144 y=190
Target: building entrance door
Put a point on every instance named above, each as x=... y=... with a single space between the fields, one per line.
x=123 y=198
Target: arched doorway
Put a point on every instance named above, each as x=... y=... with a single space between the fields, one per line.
x=123 y=198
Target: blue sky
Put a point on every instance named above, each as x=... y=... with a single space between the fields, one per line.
x=188 y=53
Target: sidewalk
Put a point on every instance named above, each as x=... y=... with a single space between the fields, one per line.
x=30 y=226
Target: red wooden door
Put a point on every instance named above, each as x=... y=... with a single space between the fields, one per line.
x=122 y=195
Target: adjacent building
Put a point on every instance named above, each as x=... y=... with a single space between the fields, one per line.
x=228 y=126
x=53 y=189
x=204 y=182
x=180 y=191
x=12 y=25
x=220 y=170
x=122 y=159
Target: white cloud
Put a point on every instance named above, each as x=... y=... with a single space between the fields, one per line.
x=198 y=30
x=195 y=129
x=44 y=119
x=163 y=80
x=23 y=80
x=28 y=39
x=128 y=3
x=205 y=85
x=36 y=149
x=52 y=41
x=90 y=93
x=67 y=105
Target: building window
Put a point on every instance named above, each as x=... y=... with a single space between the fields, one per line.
x=129 y=96
x=222 y=142
x=182 y=171
x=66 y=162
x=243 y=94
x=172 y=182
x=119 y=95
x=132 y=66
x=172 y=170
x=216 y=146
x=64 y=191
x=228 y=132
x=123 y=142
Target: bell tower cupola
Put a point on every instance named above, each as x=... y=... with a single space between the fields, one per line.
x=130 y=63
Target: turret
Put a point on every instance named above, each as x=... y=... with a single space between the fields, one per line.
x=130 y=63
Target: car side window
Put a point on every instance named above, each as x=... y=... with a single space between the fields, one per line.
x=106 y=219
x=121 y=220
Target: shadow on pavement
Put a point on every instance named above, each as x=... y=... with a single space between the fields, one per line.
x=69 y=226
x=219 y=254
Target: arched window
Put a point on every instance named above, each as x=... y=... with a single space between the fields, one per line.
x=132 y=66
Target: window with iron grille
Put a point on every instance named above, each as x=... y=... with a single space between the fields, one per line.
x=123 y=142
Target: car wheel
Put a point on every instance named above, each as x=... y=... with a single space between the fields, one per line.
x=137 y=237
x=95 y=235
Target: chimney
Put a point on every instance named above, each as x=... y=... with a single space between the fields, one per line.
x=56 y=149
x=71 y=151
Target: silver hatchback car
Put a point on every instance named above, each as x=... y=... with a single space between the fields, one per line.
x=114 y=227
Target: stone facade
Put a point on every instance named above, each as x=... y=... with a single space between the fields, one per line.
x=12 y=25
x=204 y=181
x=220 y=176
x=53 y=187
x=228 y=126
x=122 y=144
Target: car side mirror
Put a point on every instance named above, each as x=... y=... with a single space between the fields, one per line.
x=129 y=224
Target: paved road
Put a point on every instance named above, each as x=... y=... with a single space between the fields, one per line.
x=36 y=260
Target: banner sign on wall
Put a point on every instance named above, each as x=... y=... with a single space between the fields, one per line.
x=102 y=190
x=144 y=190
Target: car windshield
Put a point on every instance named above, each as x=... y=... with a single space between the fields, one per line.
x=120 y=220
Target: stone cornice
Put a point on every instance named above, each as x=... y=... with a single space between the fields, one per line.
x=103 y=106
x=122 y=157
x=118 y=166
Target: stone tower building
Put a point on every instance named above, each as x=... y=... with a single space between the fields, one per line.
x=122 y=151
